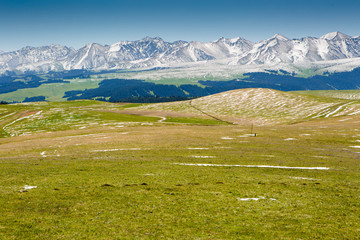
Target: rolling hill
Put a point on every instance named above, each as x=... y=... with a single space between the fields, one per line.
x=263 y=106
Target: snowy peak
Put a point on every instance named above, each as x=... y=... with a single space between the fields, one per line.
x=154 y=51
x=232 y=41
x=179 y=42
x=280 y=37
x=150 y=39
x=335 y=36
x=270 y=51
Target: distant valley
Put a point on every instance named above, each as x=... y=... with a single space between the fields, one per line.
x=118 y=86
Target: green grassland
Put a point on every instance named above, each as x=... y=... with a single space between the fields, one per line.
x=55 y=92
x=103 y=173
x=342 y=94
x=170 y=76
x=51 y=91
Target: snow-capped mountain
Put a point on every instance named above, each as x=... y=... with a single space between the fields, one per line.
x=150 y=52
x=280 y=49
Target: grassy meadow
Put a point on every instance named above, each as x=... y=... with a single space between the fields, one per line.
x=51 y=91
x=95 y=170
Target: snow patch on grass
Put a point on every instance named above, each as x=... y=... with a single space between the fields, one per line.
x=337 y=109
x=227 y=138
x=117 y=149
x=250 y=199
x=6 y=116
x=198 y=148
x=304 y=178
x=246 y=135
x=255 y=199
x=32 y=116
x=203 y=156
x=26 y=188
x=343 y=120
x=250 y=166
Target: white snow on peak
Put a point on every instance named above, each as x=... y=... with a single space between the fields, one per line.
x=280 y=37
x=150 y=52
x=234 y=40
x=151 y=39
x=239 y=39
x=220 y=39
x=229 y=40
x=335 y=36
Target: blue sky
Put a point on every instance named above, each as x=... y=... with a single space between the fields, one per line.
x=77 y=22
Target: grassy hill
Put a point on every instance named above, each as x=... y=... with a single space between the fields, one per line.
x=263 y=106
x=244 y=106
x=98 y=170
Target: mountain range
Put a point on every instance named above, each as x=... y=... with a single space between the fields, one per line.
x=155 y=52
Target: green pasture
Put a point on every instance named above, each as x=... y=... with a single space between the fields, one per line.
x=87 y=170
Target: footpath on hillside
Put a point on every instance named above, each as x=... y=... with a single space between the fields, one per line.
x=207 y=114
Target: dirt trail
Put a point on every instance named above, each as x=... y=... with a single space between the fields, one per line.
x=209 y=115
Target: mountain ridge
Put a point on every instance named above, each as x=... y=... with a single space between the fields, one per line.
x=155 y=52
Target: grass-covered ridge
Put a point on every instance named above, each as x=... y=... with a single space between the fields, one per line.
x=29 y=118
x=341 y=94
x=263 y=106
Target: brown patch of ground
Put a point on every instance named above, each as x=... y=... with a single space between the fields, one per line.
x=27 y=113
